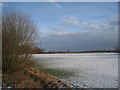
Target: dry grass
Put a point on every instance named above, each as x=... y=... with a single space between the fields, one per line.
x=32 y=78
x=18 y=78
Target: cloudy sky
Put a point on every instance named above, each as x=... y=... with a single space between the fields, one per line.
x=73 y=26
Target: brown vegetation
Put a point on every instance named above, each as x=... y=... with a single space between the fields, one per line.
x=18 y=35
x=37 y=50
x=33 y=78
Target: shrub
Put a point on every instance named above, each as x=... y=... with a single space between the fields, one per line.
x=18 y=35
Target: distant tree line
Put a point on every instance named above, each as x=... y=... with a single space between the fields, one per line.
x=37 y=50
x=90 y=51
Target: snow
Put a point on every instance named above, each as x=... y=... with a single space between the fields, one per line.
x=92 y=70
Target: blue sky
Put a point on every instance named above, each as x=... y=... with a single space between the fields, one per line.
x=73 y=25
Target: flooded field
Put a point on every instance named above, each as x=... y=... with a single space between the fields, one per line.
x=91 y=70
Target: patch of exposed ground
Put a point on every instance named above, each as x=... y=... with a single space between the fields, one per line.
x=32 y=78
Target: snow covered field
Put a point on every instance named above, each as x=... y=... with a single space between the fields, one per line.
x=92 y=70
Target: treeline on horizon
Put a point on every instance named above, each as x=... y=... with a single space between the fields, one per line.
x=91 y=51
x=37 y=50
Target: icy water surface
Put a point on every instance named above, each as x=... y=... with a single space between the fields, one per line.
x=91 y=70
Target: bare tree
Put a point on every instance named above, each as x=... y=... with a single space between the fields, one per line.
x=18 y=35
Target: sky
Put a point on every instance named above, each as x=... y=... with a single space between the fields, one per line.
x=73 y=26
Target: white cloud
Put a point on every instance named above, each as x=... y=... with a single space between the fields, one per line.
x=107 y=24
x=70 y=17
x=58 y=6
x=92 y=29
x=101 y=34
x=81 y=40
x=57 y=28
x=63 y=33
x=95 y=27
x=53 y=0
x=72 y=20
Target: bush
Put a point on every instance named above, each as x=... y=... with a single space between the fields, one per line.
x=18 y=35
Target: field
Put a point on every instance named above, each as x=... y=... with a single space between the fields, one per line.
x=98 y=70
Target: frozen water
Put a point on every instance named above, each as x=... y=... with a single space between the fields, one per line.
x=92 y=70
